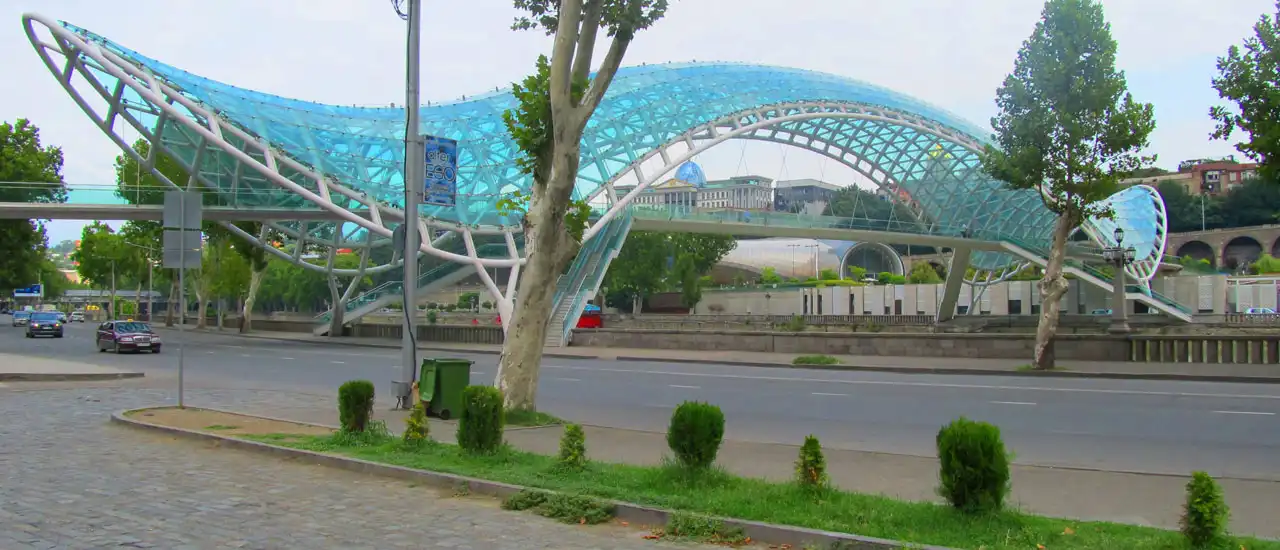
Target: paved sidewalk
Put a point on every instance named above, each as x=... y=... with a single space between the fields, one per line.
x=922 y=365
x=22 y=368
x=1143 y=499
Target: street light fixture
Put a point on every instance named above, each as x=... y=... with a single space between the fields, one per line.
x=1119 y=257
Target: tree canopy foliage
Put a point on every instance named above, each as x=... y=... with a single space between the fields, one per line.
x=652 y=262
x=38 y=169
x=1248 y=77
x=1254 y=202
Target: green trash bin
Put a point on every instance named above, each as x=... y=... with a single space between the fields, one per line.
x=440 y=385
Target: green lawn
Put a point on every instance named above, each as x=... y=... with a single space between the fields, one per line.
x=722 y=494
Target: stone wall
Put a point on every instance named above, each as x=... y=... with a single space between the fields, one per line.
x=1003 y=346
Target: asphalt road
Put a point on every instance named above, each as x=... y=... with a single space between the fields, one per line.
x=1148 y=426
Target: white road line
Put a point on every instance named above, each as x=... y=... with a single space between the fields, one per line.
x=921 y=384
x=338 y=362
x=1254 y=413
x=287 y=358
x=831 y=394
x=1011 y=403
x=685 y=387
x=569 y=379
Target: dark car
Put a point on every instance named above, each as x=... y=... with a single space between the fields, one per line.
x=45 y=323
x=20 y=318
x=121 y=336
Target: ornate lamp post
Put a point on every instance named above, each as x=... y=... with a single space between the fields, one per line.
x=1119 y=257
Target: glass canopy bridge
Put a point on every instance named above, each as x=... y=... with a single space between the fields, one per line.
x=347 y=161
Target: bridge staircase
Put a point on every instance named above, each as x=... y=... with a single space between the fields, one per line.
x=575 y=288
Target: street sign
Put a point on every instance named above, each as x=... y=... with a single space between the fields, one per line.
x=182 y=210
x=33 y=291
x=174 y=242
x=441 y=185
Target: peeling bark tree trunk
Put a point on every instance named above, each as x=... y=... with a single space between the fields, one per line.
x=202 y=304
x=637 y=302
x=172 y=304
x=548 y=249
x=339 y=308
x=246 y=315
x=1052 y=288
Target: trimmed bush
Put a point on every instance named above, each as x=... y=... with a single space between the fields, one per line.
x=811 y=465
x=815 y=360
x=695 y=433
x=480 y=424
x=573 y=448
x=415 y=426
x=974 y=471
x=1204 y=519
x=355 y=405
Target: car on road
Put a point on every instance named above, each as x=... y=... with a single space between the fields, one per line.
x=77 y=316
x=1259 y=311
x=20 y=318
x=45 y=323
x=119 y=336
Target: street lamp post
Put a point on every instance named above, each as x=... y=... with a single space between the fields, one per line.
x=414 y=157
x=150 y=278
x=1119 y=257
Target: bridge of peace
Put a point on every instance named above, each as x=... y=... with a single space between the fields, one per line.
x=329 y=177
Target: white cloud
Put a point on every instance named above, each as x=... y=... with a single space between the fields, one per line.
x=952 y=54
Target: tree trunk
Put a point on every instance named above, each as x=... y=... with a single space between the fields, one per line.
x=339 y=308
x=171 y=305
x=637 y=302
x=202 y=308
x=246 y=315
x=548 y=249
x=1052 y=288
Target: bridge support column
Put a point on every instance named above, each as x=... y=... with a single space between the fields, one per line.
x=955 y=278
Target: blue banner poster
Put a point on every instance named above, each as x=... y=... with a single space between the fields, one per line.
x=441 y=186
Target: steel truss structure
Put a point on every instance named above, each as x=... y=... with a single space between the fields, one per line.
x=259 y=150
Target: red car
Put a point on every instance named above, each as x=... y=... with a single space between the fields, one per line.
x=121 y=336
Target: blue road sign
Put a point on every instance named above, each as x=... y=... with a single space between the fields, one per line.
x=33 y=291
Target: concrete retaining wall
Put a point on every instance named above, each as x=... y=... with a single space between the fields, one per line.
x=1003 y=346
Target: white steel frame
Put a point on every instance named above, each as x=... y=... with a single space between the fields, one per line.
x=169 y=104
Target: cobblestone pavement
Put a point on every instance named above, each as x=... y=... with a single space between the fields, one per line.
x=70 y=480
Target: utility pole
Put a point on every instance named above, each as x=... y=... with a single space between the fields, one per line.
x=414 y=180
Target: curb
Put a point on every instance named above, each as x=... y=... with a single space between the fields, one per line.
x=624 y=511
x=68 y=377
x=845 y=368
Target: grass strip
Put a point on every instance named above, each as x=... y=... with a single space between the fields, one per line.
x=531 y=419
x=715 y=492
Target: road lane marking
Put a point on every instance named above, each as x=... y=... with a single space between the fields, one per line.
x=685 y=387
x=920 y=384
x=831 y=394
x=338 y=362
x=1011 y=403
x=287 y=358
x=1255 y=413
x=568 y=379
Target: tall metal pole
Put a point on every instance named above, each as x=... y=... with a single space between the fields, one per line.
x=414 y=179
x=182 y=296
x=150 y=278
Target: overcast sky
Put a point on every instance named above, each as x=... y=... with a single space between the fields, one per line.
x=952 y=54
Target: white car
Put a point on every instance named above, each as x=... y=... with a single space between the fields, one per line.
x=77 y=316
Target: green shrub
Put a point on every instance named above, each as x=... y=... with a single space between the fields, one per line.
x=695 y=433
x=1204 y=519
x=815 y=360
x=432 y=317
x=415 y=426
x=480 y=424
x=573 y=448
x=355 y=405
x=796 y=324
x=682 y=525
x=566 y=508
x=974 y=470
x=811 y=466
